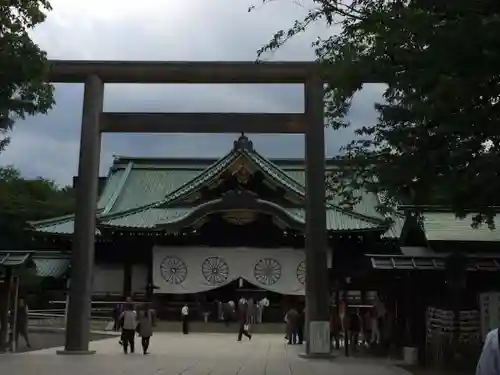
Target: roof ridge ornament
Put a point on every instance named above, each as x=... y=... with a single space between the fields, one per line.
x=243 y=143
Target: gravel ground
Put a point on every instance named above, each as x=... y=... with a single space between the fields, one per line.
x=44 y=339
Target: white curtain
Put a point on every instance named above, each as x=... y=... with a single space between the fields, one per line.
x=182 y=270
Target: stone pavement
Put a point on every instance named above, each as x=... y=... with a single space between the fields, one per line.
x=195 y=354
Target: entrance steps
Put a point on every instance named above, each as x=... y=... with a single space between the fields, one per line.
x=216 y=327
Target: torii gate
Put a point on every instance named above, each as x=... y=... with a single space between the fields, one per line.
x=94 y=122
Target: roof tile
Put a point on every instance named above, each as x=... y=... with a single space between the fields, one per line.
x=445 y=226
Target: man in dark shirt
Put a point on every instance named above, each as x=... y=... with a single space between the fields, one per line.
x=243 y=322
x=354 y=328
x=301 y=321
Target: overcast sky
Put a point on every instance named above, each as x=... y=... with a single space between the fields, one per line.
x=168 y=30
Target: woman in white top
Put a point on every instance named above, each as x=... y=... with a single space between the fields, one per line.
x=129 y=324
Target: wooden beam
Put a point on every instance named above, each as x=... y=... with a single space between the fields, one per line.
x=181 y=71
x=119 y=122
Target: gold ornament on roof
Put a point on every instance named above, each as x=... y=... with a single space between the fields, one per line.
x=242 y=174
x=243 y=143
x=240 y=217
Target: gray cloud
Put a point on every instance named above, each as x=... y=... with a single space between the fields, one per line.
x=174 y=30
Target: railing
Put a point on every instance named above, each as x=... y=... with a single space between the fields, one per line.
x=56 y=318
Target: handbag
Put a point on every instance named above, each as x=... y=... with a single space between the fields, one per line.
x=246 y=327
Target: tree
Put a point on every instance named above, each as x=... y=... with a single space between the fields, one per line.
x=23 y=66
x=23 y=200
x=438 y=130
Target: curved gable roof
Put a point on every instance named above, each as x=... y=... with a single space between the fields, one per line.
x=140 y=191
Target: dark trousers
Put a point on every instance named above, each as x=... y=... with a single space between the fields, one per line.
x=128 y=337
x=243 y=332
x=300 y=334
x=292 y=335
x=145 y=344
x=22 y=330
x=185 y=325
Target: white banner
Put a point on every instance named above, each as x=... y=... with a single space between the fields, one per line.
x=182 y=270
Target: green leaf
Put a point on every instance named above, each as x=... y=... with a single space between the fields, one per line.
x=437 y=137
x=24 y=89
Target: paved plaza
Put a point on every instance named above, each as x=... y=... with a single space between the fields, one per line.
x=195 y=354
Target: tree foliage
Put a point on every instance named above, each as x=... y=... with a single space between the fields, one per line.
x=23 y=66
x=23 y=200
x=438 y=129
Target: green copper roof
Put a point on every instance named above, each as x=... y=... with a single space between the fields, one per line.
x=59 y=225
x=153 y=216
x=47 y=263
x=445 y=226
x=139 y=191
x=51 y=264
x=14 y=258
x=112 y=182
x=146 y=218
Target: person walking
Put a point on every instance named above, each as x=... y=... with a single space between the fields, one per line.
x=301 y=322
x=243 y=322
x=335 y=328
x=354 y=329
x=292 y=317
x=374 y=327
x=121 y=307
x=22 y=322
x=128 y=320
x=117 y=310
x=145 y=328
x=185 y=319
x=251 y=311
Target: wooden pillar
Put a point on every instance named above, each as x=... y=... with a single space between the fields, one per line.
x=5 y=306
x=80 y=293
x=13 y=318
x=337 y=318
x=410 y=301
x=149 y=281
x=316 y=235
x=347 y=341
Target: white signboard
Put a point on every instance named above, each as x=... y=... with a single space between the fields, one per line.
x=490 y=312
x=182 y=270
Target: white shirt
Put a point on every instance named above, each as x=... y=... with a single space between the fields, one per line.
x=129 y=319
x=185 y=311
x=489 y=362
